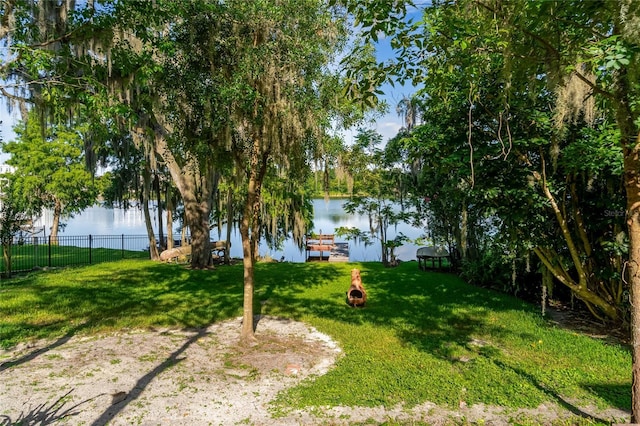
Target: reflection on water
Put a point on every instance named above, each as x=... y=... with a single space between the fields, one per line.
x=102 y=221
x=328 y=215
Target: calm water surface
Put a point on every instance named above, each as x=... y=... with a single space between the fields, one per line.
x=328 y=216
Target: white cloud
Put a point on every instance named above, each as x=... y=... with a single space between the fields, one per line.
x=388 y=126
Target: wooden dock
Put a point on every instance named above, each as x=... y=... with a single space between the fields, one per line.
x=339 y=253
x=326 y=249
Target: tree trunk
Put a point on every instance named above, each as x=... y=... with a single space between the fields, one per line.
x=246 y=333
x=382 y=236
x=248 y=261
x=197 y=216
x=170 y=208
x=255 y=245
x=146 y=191
x=325 y=180
x=156 y=186
x=630 y=141
x=632 y=183
x=57 y=212
x=383 y=245
x=250 y=223
x=626 y=120
x=183 y=234
x=580 y=289
x=196 y=182
x=464 y=231
x=6 y=255
x=227 y=255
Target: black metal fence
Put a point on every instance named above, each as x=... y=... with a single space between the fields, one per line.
x=32 y=252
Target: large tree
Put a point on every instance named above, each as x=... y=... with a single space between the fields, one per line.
x=282 y=50
x=71 y=61
x=50 y=170
x=240 y=100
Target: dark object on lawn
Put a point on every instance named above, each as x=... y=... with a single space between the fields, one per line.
x=356 y=296
x=424 y=254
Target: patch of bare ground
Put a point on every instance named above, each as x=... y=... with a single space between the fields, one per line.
x=199 y=377
x=580 y=321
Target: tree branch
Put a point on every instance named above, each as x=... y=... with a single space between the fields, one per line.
x=593 y=86
x=7 y=16
x=555 y=52
x=11 y=96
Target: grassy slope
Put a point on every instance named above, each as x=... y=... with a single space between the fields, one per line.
x=422 y=336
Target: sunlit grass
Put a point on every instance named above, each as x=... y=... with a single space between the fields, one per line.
x=29 y=256
x=423 y=336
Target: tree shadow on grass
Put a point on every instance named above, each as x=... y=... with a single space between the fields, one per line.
x=430 y=308
x=616 y=395
x=44 y=414
x=435 y=313
x=554 y=396
x=157 y=295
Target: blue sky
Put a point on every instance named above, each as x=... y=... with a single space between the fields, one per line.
x=389 y=124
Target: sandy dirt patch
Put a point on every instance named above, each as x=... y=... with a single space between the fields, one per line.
x=199 y=377
x=161 y=377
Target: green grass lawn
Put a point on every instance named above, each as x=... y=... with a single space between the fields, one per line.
x=27 y=257
x=423 y=336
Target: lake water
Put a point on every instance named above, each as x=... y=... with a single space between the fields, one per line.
x=328 y=215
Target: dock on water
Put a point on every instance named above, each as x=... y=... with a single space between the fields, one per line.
x=339 y=253
x=324 y=248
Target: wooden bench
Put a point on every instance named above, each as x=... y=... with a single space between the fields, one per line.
x=319 y=243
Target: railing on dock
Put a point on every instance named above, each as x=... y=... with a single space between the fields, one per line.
x=325 y=248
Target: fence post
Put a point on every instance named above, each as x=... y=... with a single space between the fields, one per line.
x=35 y=241
x=49 y=244
x=90 y=248
x=123 y=246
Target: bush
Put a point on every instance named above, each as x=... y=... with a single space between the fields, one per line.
x=495 y=270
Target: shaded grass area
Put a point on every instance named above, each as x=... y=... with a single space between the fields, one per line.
x=115 y=296
x=423 y=336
